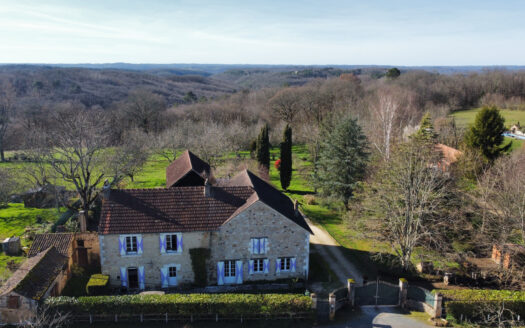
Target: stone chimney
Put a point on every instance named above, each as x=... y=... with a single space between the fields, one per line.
x=296 y=207
x=106 y=189
x=207 y=188
x=82 y=221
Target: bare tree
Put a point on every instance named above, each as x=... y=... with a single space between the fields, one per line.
x=385 y=111
x=502 y=195
x=46 y=318
x=7 y=98
x=407 y=198
x=143 y=109
x=77 y=151
x=286 y=104
x=8 y=185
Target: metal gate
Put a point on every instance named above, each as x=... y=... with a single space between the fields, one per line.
x=377 y=293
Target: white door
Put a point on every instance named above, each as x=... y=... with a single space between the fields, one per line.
x=172 y=276
x=229 y=272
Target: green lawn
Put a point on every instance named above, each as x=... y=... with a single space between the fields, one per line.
x=464 y=118
x=13 y=222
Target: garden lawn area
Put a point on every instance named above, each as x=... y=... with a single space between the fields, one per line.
x=465 y=117
x=13 y=221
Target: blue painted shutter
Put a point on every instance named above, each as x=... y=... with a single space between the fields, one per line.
x=266 y=265
x=278 y=266
x=164 y=277
x=142 y=282
x=220 y=273
x=162 y=243
x=252 y=249
x=256 y=246
x=140 y=247
x=179 y=243
x=263 y=246
x=123 y=277
x=239 y=272
x=292 y=264
x=250 y=267
x=122 y=245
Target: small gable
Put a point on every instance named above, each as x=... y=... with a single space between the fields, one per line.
x=187 y=170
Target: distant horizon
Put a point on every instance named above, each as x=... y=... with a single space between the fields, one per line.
x=403 y=33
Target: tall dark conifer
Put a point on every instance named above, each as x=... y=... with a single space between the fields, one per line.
x=286 y=158
x=263 y=147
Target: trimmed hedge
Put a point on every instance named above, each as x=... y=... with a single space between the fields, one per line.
x=97 y=284
x=184 y=304
x=470 y=302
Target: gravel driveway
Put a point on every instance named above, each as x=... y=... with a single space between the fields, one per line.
x=376 y=317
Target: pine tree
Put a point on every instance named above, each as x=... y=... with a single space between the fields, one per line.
x=426 y=130
x=343 y=159
x=485 y=134
x=263 y=147
x=286 y=158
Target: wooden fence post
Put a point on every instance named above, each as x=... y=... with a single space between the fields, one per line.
x=332 y=300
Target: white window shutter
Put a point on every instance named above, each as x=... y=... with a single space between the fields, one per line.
x=142 y=282
x=252 y=246
x=179 y=243
x=292 y=264
x=162 y=243
x=278 y=266
x=122 y=244
x=250 y=266
x=164 y=277
x=256 y=246
x=123 y=276
x=266 y=265
x=140 y=247
x=239 y=272
x=220 y=273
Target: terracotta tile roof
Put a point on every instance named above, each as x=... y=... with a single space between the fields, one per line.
x=270 y=196
x=170 y=209
x=61 y=241
x=450 y=155
x=183 y=165
x=36 y=274
x=186 y=208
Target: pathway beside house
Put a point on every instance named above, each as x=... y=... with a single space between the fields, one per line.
x=329 y=248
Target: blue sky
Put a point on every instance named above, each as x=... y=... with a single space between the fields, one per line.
x=350 y=32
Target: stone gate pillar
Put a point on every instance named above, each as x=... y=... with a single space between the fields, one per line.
x=313 y=296
x=332 y=301
x=403 y=289
x=351 y=294
x=438 y=305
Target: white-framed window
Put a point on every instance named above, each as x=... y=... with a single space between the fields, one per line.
x=259 y=245
x=286 y=263
x=229 y=268
x=258 y=265
x=131 y=245
x=171 y=243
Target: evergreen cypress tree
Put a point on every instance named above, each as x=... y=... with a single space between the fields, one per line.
x=343 y=159
x=486 y=133
x=286 y=158
x=263 y=147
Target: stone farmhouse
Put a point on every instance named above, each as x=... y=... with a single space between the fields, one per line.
x=252 y=231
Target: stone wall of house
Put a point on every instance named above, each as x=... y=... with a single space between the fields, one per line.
x=26 y=310
x=151 y=259
x=285 y=239
x=91 y=243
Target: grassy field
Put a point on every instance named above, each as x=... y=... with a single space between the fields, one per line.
x=14 y=219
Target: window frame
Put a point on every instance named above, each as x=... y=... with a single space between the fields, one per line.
x=170 y=271
x=258 y=265
x=131 y=238
x=231 y=269
x=284 y=262
x=171 y=235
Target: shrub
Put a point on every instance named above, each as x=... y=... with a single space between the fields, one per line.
x=97 y=284
x=184 y=304
x=310 y=200
x=471 y=303
x=199 y=256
